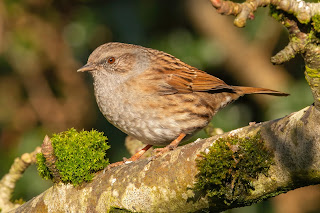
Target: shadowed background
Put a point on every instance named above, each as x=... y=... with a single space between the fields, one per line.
x=44 y=42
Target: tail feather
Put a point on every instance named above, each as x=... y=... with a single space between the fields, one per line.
x=254 y=90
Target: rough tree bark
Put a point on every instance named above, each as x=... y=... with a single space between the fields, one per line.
x=167 y=184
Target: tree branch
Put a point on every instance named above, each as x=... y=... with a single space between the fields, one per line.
x=304 y=11
x=312 y=72
x=166 y=184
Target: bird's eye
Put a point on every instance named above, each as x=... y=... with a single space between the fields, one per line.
x=111 y=60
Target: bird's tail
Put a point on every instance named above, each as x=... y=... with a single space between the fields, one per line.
x=255 y=90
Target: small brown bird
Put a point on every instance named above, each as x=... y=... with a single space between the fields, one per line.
x=155 y=97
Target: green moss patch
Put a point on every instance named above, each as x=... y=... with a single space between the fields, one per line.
x=228 y=168
x=276 y=13
x=43 y=170
x=78 y=155
x=316 y=23
x=312 y=73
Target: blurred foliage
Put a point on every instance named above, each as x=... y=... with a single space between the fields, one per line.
x=44 y=42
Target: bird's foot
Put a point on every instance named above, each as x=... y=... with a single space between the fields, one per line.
x=134 y=157
x=170 y=147
x=161 y=151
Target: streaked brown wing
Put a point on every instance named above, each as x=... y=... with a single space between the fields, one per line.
x=193 y=80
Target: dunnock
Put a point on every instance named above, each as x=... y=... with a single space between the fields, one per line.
x=155 y=97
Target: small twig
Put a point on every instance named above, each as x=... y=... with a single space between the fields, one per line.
x=243 y=11
x=8 y=182
x=289 y=52
x=297 y=43
x=48 y=153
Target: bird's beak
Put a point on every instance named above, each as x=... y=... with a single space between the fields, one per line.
x=86 y=68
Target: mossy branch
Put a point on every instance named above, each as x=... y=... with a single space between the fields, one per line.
x=167 y=184
x=312 y=71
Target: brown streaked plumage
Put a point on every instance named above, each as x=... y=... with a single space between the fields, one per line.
x=155 y=97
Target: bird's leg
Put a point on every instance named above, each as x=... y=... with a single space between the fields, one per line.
x=171 y=146
x=138 y=155
x=160 y=151
x=134 y=157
